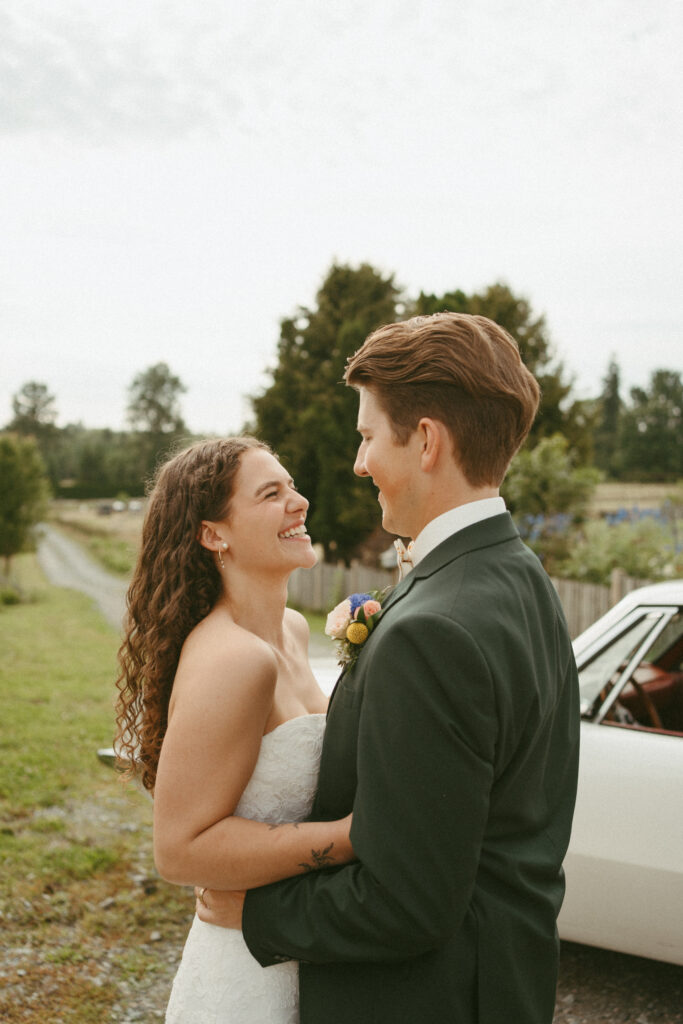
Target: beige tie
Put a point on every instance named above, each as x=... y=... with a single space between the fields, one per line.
x=404 y=557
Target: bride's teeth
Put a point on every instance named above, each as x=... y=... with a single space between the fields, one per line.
x=297 y=531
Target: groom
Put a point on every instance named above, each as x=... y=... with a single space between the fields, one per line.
x=454 y=738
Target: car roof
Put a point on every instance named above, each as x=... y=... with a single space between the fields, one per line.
x=656 y=594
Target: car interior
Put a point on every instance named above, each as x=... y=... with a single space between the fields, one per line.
x=652 y=696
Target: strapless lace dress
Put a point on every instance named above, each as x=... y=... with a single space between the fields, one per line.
x=218 y=981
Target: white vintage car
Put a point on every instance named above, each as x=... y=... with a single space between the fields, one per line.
x=624 y=866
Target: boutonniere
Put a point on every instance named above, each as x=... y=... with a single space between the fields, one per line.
x=352 y=622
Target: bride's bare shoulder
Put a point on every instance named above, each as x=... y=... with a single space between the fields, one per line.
x=298 y=627
x=220 y=650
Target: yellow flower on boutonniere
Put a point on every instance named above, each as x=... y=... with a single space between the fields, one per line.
x=357 y=633
x=351 y=623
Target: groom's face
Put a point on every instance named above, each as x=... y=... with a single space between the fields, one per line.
x=392 y=466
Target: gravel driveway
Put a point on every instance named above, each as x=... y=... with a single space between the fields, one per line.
x=66 y=564
x=596 y=986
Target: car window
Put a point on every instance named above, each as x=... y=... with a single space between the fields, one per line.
x=650 y=694
x=667 y=649
x=599 y=675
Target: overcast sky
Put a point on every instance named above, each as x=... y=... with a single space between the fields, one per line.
x=176 y=177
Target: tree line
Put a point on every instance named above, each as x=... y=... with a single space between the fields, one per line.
x=82 y=462
x=309 y=417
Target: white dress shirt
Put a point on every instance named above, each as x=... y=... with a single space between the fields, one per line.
x=448 y=523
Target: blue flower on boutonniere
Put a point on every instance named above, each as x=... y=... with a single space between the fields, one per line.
x=352 y=622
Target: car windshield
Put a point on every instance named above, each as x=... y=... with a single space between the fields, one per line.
x=597 y=677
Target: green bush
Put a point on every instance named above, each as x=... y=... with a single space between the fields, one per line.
x=643 y=549
x=23 y=495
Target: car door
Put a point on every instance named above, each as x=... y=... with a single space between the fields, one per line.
x=624 y=866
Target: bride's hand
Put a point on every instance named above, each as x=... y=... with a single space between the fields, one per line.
x=223 y=907
x=220 y=907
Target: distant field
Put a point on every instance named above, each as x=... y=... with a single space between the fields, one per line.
x=111 y=539
x=114 y=539
x=82 y=515
x=127 y=526
x=610 y=497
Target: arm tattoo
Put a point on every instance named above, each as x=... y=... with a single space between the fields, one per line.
x=319 y=859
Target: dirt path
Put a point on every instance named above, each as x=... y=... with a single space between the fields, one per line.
x=66 y=564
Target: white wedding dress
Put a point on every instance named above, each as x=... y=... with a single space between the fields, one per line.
x=218 y=981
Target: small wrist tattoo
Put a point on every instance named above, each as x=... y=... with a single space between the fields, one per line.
x=319 y=859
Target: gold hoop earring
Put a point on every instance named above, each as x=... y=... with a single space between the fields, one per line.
x=224 y=546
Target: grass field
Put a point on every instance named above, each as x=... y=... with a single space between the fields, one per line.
x=87 y=927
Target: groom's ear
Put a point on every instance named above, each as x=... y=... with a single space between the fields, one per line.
x=434 y=441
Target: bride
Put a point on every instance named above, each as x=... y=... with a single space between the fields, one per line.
x=219 y=712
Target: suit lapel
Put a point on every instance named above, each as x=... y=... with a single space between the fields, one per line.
x=486 y=533
x=399 y=591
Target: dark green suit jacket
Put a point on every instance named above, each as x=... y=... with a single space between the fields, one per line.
x=454 y=740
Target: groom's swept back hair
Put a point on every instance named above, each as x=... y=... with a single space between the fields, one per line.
x=463 y=370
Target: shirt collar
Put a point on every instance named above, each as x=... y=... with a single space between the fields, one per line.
x=450 y=522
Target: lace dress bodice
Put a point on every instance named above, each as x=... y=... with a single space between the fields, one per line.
x=285 y=777
x=218 y=981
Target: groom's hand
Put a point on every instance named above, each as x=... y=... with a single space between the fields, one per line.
x=221 y=908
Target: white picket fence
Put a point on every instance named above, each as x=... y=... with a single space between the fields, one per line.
x=321 y=588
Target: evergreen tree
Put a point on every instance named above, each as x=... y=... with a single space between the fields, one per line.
x=154 y=413
x=34 y=409
x=35 y=414
x=556 y=414
x=608 y=421
x=309 y=417
x=652 y=430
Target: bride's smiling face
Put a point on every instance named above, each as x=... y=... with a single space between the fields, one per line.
x=266 y=527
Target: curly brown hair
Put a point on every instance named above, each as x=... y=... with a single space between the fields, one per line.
x=175 y=585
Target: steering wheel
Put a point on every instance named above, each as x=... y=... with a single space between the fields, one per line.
x=648 y=703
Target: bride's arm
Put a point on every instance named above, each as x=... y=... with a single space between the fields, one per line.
x=220 y=707
x=237 y=853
